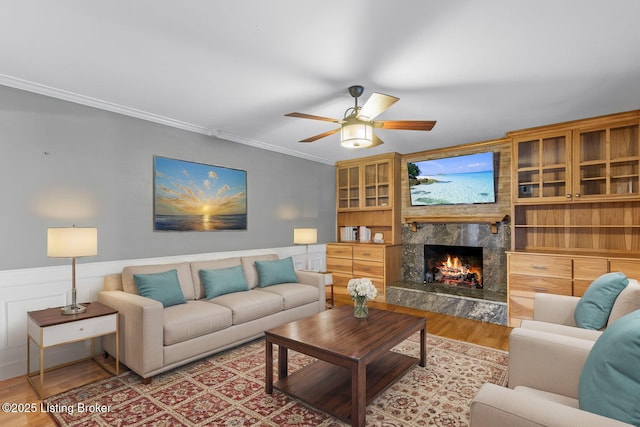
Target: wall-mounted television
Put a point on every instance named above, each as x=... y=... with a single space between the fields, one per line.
x=467 y=179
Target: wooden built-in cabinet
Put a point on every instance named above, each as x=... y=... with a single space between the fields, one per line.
x=575 y=207
x=367 y=194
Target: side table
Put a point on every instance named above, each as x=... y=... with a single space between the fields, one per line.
x=48 y=328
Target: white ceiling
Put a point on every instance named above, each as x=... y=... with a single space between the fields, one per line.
x=234 y=68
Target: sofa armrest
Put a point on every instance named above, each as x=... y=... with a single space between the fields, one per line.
x=546 y=361
x=499 y=406
x=316 y=279
x=141 y=324
x=570 y=331
x=553 y=308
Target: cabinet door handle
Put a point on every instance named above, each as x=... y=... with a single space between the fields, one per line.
x=568 y=196
x=540 y=289
x=577 y=195
x=539 y=267
x=81 y=329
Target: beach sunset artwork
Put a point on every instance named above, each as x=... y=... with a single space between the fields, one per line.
x=191 y=196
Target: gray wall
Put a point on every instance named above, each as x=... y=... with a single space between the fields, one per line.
x=62 y=164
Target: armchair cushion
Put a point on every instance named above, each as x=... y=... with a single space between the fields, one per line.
x=610 y=380
x=163 y=287
x=593 y=309
x=627 y=301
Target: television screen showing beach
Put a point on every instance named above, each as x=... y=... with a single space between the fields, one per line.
x=452 y=180
x=192 y=196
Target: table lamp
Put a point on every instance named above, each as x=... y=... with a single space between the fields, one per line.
x=72 y=242
x=305 y=236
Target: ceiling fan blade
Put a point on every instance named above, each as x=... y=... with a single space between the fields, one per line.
x=405 y=124
x=321 y=135
x=375 y=105
x=312 y=117
x=376 y=141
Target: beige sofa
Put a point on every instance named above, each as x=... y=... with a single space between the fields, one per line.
x=154 y=339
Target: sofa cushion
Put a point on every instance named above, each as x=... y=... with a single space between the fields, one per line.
x=184 y=276
x=214 y=264
x=593 y=309
x=249 y=267
x=249 y=305
x=275 y=272
x=223 y=281
x=193 y=319
x=293 y=294
x=610 y=378
x=163 y=287
x=627 y=301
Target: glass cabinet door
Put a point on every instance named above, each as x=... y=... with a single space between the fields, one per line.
x=607 y=162
x=349 y=187
x=376 y=184
x=542 y=168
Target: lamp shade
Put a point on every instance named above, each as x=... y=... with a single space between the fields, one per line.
x=356 y=134
x=305 y=236
x=71 y=242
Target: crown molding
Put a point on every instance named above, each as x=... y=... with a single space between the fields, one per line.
x=28 y=86
x=259 y=144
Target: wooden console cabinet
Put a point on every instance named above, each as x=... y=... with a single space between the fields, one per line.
x=379 y=262
x=575 y=207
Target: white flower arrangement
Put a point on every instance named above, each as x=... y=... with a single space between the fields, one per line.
x=361 y=287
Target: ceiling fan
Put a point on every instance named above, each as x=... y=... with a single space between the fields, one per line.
x=357 y=125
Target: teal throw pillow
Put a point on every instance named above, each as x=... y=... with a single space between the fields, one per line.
x=276 y=272
x=163 y=287
x=223 y=281
x=610 y=378
x=594 y=307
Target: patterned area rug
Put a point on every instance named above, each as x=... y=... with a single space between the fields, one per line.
x=227 y=389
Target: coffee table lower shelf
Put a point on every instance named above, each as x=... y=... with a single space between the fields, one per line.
x=328 y=387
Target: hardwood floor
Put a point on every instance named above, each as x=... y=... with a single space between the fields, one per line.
x=18 y=391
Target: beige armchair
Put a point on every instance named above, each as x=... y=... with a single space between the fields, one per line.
x=555 y=313
x=544 y=373
x=546 y=358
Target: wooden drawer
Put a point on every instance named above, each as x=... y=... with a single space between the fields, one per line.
x=368 y=269
x=549 y=266
x=525 y=285
x=369 y=253
x=339 y=265
x=341 y=280
x=520 y=307
x=630 y=267
x=75 y=331
x=339 y=251
x=589 y=269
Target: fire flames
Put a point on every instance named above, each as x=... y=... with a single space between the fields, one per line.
x=454 y=272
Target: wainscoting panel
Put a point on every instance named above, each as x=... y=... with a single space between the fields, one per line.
x=31 y=289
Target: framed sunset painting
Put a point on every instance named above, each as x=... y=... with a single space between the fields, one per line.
x=191 y=196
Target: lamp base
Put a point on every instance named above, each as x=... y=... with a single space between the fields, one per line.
x=73 y=309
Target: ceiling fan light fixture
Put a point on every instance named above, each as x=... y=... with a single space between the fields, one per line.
x=356 y=134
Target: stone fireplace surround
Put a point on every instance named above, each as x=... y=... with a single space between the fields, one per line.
x=487 y=304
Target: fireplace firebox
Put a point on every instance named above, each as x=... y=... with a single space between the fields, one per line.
x=457 y=266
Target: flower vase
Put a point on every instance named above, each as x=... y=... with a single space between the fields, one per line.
x=360 y=309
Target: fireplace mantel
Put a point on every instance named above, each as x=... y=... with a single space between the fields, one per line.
x=492 y=220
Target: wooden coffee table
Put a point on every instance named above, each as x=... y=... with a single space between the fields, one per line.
x=354 y=361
